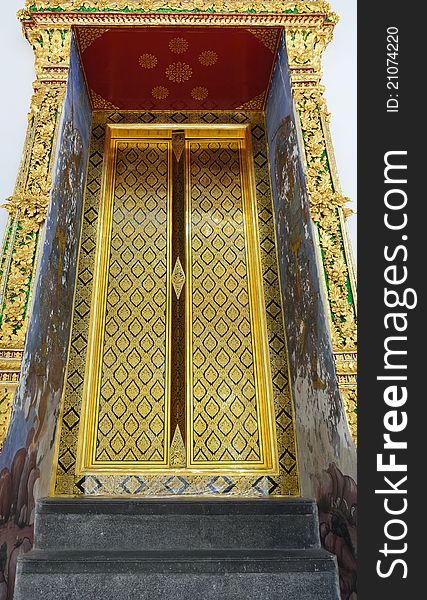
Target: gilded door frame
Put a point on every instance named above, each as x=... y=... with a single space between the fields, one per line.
x=85 y=458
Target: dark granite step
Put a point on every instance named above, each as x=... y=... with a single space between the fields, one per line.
x=176 y=549
x=207 y=575
x=175 y=523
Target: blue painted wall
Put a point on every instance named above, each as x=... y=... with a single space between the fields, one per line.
x=326 y=453
x=28 y=453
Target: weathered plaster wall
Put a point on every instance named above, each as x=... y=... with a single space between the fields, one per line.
x=27 y=457
x=324 y=445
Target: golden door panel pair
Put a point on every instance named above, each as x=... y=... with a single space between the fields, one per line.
x=127 y=402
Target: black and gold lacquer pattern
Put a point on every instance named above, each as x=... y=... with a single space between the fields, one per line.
x=131 y=414
x=225 y=421
x=67 y=481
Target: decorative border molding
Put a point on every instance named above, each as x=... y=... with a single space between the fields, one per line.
x=196 y=6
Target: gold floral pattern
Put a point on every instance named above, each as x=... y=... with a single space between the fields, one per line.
x=179 y=72
x=147 y=61
x=160 y=92
x=199 y=93
x=256 y=103
x=88 y=35
x=99 y=103
x=207 y=58
x=267 y=36
x=178 y=45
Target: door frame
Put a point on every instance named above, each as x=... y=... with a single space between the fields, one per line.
x=85 y=463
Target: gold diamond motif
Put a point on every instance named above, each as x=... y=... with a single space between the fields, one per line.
x=178 y=278
x=207 y=58
x=179 y=72
x=220 y=371
x=147 y=61
x=132 y=385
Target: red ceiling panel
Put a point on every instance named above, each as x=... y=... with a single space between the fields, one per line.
x=160 y=68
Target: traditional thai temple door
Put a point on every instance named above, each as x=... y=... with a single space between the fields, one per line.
x=176 y=373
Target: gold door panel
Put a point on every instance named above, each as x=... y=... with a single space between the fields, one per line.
x=127 y=399
x=229 y=399
x=127 y=379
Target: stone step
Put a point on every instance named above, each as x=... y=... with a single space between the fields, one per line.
x=173 y=575
x=175 y=523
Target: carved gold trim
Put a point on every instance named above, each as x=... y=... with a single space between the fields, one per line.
x=7 y=394
x=28 y=204
x=10 y=364
x=178 y=12
x=236 y=6
x=324 y=204
x=346 y=367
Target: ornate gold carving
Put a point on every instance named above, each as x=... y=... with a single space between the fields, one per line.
x=178 y=458
x=178 y=278
x=199 y=93
x=267 y=36
x=10 y=363
x=147 y=61
x=178 y=45
x=88 y=35
x=346 y=367
x=180 y=12
x=347 y=212
x=28 y=206
x=160 y=92
x=325 y=202
x=207 y=58
x=305 y=46
x=178 y=144
x=51 y=51
x=7 y=394
x=179 y=72
x=32 y=207
x=99 y=103
x=234 y=6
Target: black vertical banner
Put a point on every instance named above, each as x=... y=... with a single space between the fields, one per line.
x=392 y=243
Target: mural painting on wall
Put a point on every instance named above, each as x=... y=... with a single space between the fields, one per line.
x=44 y=358
x=324 y=438
x=337 y=502
x=336 y=493
x=27 y=454
x=308 y=337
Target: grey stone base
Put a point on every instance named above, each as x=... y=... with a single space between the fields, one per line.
x=208 y=550
x=176 y=523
